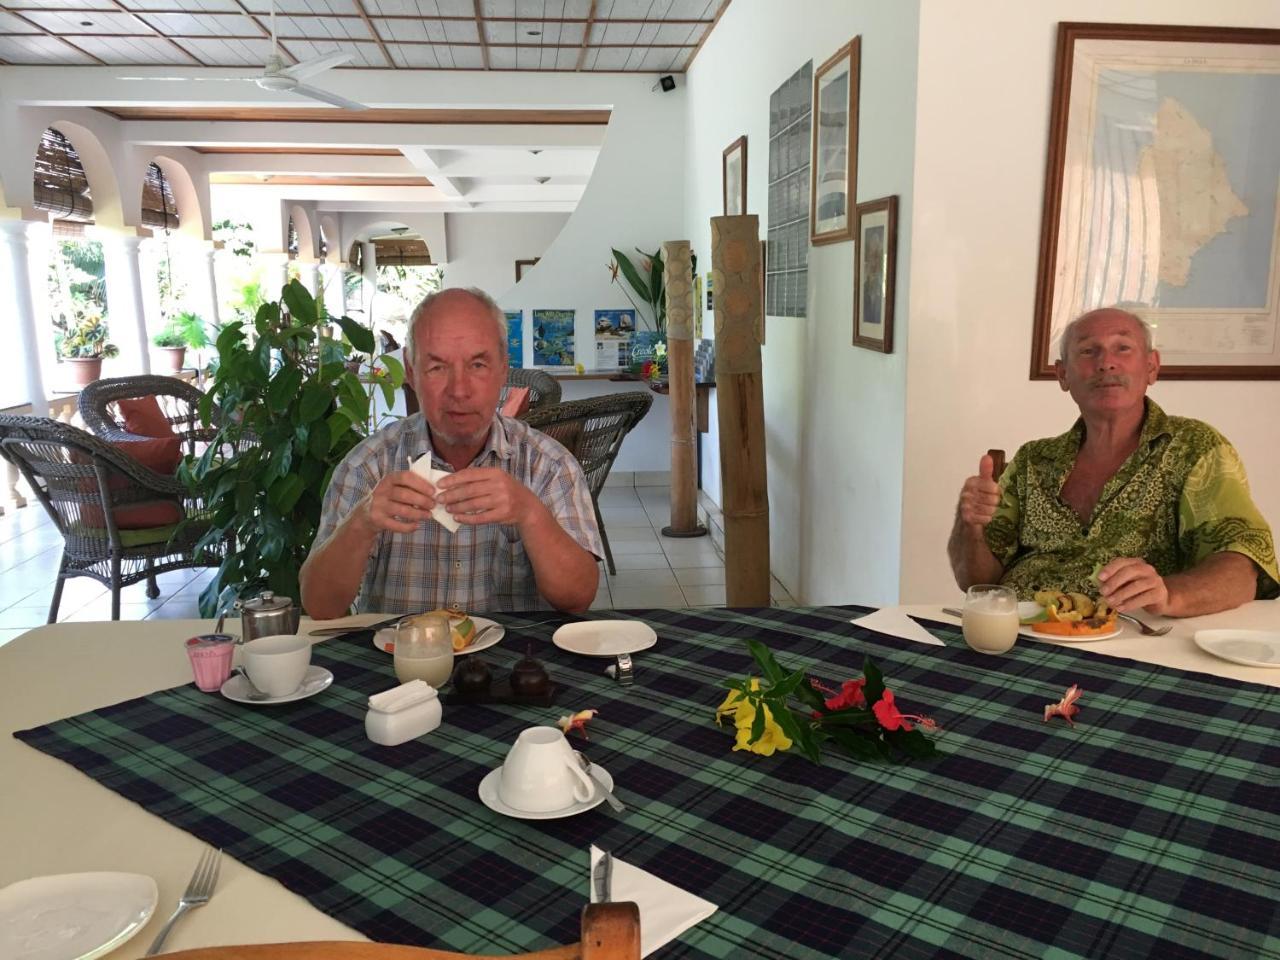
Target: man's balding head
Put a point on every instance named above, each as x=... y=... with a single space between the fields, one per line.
x=1142 y=329
x=437 y=304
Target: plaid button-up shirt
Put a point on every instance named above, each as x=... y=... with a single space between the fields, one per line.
x=479 y=568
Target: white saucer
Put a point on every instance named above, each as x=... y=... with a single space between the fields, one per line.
x=73 y=916
x=605 y=638
x=1253 y=648
x=313 y=681
x=384 y=639
x=489 y=797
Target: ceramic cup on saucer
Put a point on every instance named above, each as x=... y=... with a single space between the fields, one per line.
x=541 y=773
x=276 y=664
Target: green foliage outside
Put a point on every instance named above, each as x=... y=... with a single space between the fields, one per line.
x=185 y=329
x=83 y=335
x=290 y=408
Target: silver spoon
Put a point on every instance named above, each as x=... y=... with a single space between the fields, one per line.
x=251 y=692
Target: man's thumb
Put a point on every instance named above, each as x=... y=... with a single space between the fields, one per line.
x=986 y=467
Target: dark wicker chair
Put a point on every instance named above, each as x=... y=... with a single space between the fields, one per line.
x=544 y=389
x=81 y=481
x=592 y=430
x=178 y=402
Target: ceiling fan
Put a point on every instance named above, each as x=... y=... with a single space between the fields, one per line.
x=279 y=78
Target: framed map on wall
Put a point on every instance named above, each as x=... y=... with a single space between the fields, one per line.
x=1162 y=194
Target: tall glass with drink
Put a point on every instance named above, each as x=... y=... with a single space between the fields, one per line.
x=990 y=618
x=424 y=650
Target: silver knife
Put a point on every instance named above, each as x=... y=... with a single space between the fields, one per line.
x=354 y=628
x=603 y=878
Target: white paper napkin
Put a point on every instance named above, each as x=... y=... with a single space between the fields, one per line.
x=897 y=624
x=422 y=467
x=666 y=911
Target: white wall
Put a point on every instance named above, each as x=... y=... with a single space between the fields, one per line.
x=484 y=247
x=979 y=176
x=834 y=413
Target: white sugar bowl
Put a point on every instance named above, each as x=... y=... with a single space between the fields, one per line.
x=402 y=713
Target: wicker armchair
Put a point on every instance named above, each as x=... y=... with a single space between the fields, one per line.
x=82 y=482
x=178 y=402
x=593 y=430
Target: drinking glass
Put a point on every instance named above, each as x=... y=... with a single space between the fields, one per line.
x=990 y=618
x=424 y=650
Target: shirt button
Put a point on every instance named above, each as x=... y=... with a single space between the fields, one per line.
x=457 y=564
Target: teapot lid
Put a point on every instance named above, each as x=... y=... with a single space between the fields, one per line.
x=267 y=602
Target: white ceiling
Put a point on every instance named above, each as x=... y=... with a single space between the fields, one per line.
x=539 y=35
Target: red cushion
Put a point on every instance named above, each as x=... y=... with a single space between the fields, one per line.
x=161 y=454
x=517 y=402
x=142 y=416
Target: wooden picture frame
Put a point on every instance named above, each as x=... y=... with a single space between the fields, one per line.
x=875 y=273
x=733 y=177
x=833 y=181
x=523 y=267
x=1161 y=194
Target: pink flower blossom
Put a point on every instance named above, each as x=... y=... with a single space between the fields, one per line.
x=850 y=695
x=888 y=715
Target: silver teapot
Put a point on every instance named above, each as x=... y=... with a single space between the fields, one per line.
x=267 y=615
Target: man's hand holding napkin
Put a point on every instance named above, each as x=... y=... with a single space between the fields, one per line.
x=666 y=911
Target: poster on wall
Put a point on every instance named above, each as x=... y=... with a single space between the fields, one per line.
x=790 y=113
x=553 y=338
x=614 y=329
x=515 y=338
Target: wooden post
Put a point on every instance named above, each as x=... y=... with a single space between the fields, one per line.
x=735 y=273
x=677 y=276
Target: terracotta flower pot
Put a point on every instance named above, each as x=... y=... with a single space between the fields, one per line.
x=177 y=357
x=84 y=370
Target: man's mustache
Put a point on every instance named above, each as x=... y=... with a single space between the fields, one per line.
x=1110 y=380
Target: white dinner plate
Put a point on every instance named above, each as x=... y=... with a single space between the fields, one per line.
x=313 y=681
x=605 y=638
x=385 y=639
x=1053 y=638
x=489 y=797
x=1253 y=648
x=73 y=916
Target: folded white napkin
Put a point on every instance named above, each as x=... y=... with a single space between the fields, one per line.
x=405 y=695
x=895 y=623
x=422 y=467
x=666 y=911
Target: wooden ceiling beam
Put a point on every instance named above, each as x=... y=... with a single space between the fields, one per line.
x=373 y=31
x=157 y=34
x=724 y=5
x=503 y=116
x=586 y=35
x=484 y=47
x=676 y=21
x=61 y=39
x=258 y=21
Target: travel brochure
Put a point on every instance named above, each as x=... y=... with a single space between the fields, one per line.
x=553 y=338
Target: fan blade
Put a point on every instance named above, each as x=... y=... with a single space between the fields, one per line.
x=191 y=79
x=324 y=96
x=309 y=68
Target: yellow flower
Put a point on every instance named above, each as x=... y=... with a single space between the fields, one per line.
x=744 y=715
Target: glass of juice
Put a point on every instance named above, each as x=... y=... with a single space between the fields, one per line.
x=990 y=618
x=424 y=650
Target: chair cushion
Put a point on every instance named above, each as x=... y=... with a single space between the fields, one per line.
x=517 y=402
x=142 y=415
x=161 y=454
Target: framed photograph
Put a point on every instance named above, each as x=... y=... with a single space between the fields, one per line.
x=833 y=188
x=733 y=170
x=874 y=273
x=1162 y=194
x=524 y=266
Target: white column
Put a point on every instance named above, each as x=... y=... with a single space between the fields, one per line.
x=309 y=275
x=343 y=269
x=150 y=262
x=15 y=280
x=331 y=275
x=205 y=280
x=43 y=249
x=125 y=317
x=369 y=262
x=275 y=272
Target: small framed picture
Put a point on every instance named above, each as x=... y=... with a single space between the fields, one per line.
x=733 y=166
x=524 y=266
x=874 y=267
x=833 y=180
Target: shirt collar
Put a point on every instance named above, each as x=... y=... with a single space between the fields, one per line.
x=1155 y=424
x=498 y=444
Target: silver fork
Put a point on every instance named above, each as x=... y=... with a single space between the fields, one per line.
x=1144 y=628
x=197 y=894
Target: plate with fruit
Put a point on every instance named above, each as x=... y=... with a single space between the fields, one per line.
x=1067 y=618
x=464 y=628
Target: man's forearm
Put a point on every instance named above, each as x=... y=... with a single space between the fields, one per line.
x=1221 y=581
x=331 y=575
x=566 y=574
x=971 y=559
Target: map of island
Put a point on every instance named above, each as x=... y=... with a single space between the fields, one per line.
x=1196 y=198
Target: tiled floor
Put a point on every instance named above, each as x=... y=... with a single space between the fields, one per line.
x=653 y=571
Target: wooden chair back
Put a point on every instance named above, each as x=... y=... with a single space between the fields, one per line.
x=997 y=463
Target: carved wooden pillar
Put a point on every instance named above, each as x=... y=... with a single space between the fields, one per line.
x=739 y=318
x=677 y=277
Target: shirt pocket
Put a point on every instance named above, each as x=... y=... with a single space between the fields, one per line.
x=512 y=571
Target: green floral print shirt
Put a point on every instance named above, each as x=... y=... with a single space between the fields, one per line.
x=1181 y=496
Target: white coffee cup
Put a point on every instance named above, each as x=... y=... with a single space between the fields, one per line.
x=276 y=664
x=542 y=774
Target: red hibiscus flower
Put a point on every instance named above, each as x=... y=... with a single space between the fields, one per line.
x=850 y=695
x=888 y=715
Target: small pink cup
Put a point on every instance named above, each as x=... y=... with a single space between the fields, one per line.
x=210 y=656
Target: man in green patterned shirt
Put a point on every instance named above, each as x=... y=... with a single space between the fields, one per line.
x=1158 y=505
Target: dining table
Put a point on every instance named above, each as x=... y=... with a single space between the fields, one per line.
x=1148 y=827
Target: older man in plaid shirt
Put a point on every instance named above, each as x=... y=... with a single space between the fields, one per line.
x=528 y=536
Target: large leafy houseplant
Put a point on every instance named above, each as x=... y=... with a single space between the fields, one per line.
x=184 y=329
x=83 y=336
x=288 y=412
x=648 y=284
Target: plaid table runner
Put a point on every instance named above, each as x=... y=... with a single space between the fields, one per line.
x=1150 y=829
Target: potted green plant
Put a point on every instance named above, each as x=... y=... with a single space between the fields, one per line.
x=81 y=340
x=290 y=410
x=184 y=330
x=649 y=287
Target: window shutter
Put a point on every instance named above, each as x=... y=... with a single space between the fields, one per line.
x=61 y=186
x=159 y=209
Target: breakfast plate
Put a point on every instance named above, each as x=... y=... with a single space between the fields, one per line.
x=489 y=797
x=1026 y=631
x=1252 y=648
x=605 y=638
x=73 y=916
x=385 y=639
